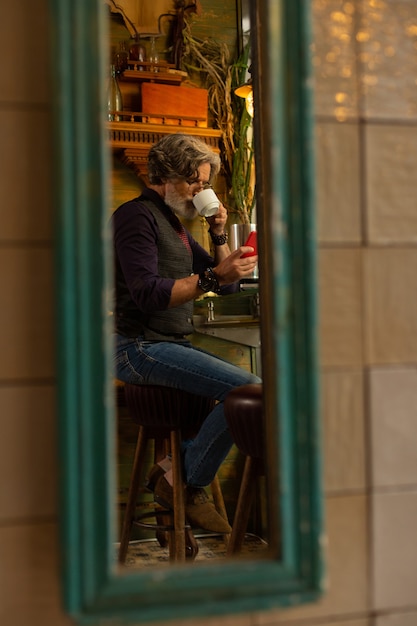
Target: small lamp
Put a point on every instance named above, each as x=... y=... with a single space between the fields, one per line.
x=246 y=91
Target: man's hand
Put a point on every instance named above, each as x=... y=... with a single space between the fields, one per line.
x=218 y=221
x=234 y=267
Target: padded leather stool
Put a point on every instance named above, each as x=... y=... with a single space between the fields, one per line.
x=165 y=415
x=244 y=414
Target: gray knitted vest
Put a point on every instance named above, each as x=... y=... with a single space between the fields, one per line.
x=174 y=261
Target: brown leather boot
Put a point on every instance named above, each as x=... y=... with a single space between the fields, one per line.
x=199 y=511
x=202 y=513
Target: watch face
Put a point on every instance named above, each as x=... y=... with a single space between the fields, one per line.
x=205 y=283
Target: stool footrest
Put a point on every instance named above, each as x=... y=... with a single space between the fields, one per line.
x=155 y=526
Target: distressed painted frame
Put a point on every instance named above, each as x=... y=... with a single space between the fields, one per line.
x=93 y=590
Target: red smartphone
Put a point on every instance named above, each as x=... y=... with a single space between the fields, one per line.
x=251 y=241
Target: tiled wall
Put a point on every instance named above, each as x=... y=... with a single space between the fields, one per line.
x=366 y=110
x=365 y=63
x=29 y=580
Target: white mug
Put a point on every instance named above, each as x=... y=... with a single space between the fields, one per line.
x=206 y=202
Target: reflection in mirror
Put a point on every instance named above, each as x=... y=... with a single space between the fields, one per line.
x=186 y=310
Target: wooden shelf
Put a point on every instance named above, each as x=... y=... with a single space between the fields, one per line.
x=163 y=118
x=133 y=140
x=152 y=77
x=166 y=73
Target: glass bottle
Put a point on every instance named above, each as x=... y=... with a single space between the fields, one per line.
x=114 y=97
x=153 y=55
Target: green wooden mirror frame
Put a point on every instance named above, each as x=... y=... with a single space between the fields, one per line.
x=93 y=589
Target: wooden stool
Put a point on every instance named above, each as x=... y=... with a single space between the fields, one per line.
x=244 y=415
x=167 y=416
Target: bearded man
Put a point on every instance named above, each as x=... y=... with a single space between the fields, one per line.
x=160 y=269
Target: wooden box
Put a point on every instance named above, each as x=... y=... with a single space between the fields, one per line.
x=185 y=106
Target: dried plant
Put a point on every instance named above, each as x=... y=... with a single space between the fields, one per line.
x=211 y=61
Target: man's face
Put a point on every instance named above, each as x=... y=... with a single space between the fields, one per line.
x=179 y=192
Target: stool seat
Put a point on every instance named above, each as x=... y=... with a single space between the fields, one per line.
x=164 y=408
x=167 y=416
x=243 y=409
x=244 y=414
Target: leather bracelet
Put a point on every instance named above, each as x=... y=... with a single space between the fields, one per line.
x=219 y=240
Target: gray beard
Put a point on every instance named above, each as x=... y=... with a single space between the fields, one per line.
x=181 y=206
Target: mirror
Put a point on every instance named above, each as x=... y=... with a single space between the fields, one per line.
x=283 y=147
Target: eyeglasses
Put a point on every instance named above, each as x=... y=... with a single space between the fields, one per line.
x=197 y=181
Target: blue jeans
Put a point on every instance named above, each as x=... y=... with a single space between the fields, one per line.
x=182 y=366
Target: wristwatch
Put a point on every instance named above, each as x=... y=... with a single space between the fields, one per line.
x=207 y=281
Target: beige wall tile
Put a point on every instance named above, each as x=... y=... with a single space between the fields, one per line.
x=348 y=622
x=227 y=620
x=28 y=474
x=343 y=430
x=397 y=619
x=334 y=59
x=241 y=619
x=26 y=176
x=29 y=577
x=340 y=308
x=278 y=619
x=24 y=41
x=394 y=523
x=346 y=565
x=390 y=306
x=391 y=157
x=393 y=397
x=26 y=314
x=337 y=179
x=388 y=59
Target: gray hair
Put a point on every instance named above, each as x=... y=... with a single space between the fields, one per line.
x=180 y=156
